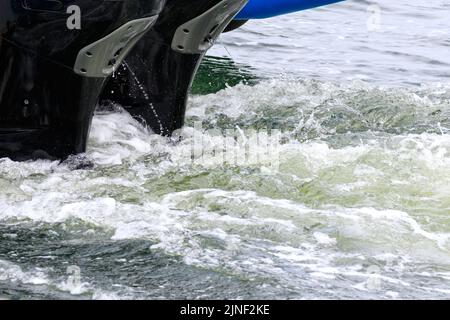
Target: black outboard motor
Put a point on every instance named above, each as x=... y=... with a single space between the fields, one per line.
x=154 y=81
x=55 y=56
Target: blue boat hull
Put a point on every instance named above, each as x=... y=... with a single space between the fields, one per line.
x=261 y=9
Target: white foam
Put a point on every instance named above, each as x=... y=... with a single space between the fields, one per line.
x=13 y=273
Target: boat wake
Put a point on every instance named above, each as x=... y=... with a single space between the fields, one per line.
x=357 y=208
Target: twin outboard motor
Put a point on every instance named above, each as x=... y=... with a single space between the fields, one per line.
x=155 y=79
x=57 y=58
x=60 y=58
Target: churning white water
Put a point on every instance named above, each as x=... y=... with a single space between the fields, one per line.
x=358 y=205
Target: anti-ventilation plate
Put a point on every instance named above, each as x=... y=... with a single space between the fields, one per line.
x=198 y=35
x=103 y=57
